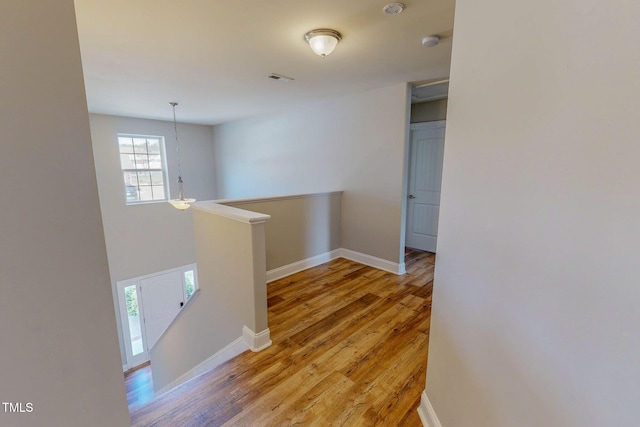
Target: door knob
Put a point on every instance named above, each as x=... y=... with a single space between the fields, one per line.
x=411 y=196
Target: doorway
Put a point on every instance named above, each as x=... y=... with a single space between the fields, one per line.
x=424 y=184
x=148 y=304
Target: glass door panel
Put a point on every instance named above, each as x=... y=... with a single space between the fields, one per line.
x=131 y=315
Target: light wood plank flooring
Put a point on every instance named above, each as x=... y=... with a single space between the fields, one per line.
x=349 y=348
x=139 y=385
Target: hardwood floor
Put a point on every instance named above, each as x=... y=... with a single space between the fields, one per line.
x=349 y=348
x=139 y=385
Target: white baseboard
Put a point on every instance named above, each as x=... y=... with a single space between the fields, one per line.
x=227 y=353
x=371 y=261
x=289 y=269
x=427 y=414
x=379 y=263
x=256 y=342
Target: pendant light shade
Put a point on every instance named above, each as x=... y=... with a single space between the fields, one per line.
x=181 y=202
x=323 y=40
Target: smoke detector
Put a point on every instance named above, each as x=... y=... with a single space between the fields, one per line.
x=430 y=41
x=393 y=8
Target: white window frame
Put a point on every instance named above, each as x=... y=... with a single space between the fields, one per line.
x=164 y=169
x=191 y=267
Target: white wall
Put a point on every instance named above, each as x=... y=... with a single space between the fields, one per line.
x=147 y=238
x=59 y=347
x=535 y=308
x=355 y=143
x=233 y=293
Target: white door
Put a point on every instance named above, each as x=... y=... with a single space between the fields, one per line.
x=163 y=298
x=425 y=180
x=146 y=315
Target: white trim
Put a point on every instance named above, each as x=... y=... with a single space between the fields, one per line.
x=379 y=263
x=295 y=267
x=230 y=212
x=192 y=266
x=125 y=367
x=426 y=412
x=428 y=125
x=227 y=353
x=437 y=82
x=256 y=342
x=194 y=269
x=274 y=198
x=289 y=269
x=130 y=359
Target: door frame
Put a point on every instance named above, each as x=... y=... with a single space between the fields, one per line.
x=405 y=193
x=131 y=360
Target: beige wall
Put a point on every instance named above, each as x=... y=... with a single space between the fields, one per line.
x=430 y=111
x=535 y=307
x=355 y=143
x=59 y=348
x=233 y=289
x=232 y=282
x=300 y=227
x=147 y=238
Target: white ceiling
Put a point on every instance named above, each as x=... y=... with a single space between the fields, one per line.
x=213 y=56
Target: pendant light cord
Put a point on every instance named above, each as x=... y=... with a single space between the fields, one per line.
x=175 y=128
x=180 y=202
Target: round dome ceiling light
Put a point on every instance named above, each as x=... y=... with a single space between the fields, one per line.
x=393 y=8
x=431 y=41
x=323 y=40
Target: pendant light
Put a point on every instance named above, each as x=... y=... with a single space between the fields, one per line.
x=179 y=203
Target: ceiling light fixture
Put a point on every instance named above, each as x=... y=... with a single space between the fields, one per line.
x=393 y=8
x=431 y=41
x=179 y=203
x=323 y=40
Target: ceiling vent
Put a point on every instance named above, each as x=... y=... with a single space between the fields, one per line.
x=278 y=77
